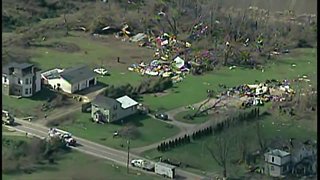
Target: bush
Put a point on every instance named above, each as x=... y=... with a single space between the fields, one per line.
x=302 y=43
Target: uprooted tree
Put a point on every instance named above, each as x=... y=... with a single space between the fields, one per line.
x=201 y=111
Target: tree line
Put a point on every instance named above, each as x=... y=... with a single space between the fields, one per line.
x=207 y=131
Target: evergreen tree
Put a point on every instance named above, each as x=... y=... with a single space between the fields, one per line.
x=176 y=142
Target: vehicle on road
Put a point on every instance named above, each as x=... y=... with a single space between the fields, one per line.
x=165 y=170
x=161 y=116
x=66 y=137
x=143 y=164
x=101 y=71
x=159 y=168
x=7 y=118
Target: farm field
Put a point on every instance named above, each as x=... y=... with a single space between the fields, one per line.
x=74 y=165
x=142 y=130
x=198 y=159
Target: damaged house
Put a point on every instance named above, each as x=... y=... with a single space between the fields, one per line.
x=20 y=79
x=293 y=157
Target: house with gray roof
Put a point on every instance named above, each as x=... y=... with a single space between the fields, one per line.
x=70 y=80
x=105 y=109
x=20 y=79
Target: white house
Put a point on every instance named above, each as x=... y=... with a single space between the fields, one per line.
x=106 y=109
x=70 y=80
x=20 y=79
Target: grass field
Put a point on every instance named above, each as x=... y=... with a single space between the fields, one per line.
x=26 y=106
x=75 y=165
x=149 y=130
x=273 y=127
x=196 y=120
x=195 y=87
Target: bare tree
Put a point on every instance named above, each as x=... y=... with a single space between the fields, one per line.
x=261 y=140
x=243 y=146
x=221 y=153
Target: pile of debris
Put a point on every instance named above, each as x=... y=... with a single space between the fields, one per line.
x=167 y=60
x=258 y=94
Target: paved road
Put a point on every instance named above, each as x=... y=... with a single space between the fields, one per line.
x=88 y=147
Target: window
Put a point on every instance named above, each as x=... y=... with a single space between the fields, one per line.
x=272 y=159
x=30 y=90
x=26 y=90
x=27 y=81
x=272 y=168
x=19 y=81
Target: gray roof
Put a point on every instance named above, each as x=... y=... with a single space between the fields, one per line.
x=5 y=69
x=104 y=102
x=77 y=74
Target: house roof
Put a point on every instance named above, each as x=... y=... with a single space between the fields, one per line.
x=126 y=102
x=277 y=152
x=5 y=69
x=103 y=101
x=77 y=74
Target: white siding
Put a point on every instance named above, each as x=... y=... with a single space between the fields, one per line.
x=38 y=81
x=27 y=86
x=5 y=80
x=83 y=85
x=276 y=159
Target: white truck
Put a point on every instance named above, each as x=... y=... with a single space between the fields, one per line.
x=165 y=170
x=143 y=164
x=66 y=137
x=7 y=118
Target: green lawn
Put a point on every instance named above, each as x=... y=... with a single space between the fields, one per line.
x=149 y=130
x=195 y=87
x=196 y=120
x=273 y=127
x=119 y=77
x=76 y=165
x=26 y=106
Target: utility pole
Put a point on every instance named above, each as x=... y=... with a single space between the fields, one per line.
x=128 y=143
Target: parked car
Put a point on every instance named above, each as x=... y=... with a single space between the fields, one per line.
x=101 y=71
x=161 y=116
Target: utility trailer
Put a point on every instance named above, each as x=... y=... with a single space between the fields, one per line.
x=165 y=170
x=7 y=118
